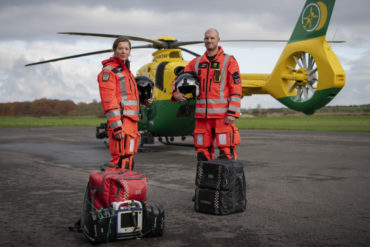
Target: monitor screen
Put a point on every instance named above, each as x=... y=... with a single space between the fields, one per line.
x=127 y=220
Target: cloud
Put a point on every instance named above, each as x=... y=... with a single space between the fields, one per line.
x=29 y=34
x=357 y=88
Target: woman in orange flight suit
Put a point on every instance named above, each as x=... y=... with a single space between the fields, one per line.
x=120 y=99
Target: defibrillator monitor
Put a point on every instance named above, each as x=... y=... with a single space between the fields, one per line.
x=129 y=221
x=129 y=217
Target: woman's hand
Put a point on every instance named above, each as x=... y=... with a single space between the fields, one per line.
x=119 y=136
x=149 y=101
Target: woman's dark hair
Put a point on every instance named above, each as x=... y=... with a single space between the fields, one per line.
x=120 y=39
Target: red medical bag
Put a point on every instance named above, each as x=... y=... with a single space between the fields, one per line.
x=114 y=185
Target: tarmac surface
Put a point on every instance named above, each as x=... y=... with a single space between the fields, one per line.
x=303 y=188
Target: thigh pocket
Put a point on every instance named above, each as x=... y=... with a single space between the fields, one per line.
x=223 y=137
x=235 y=136
x=115 y=146
x=200 y=138
x=131 y=143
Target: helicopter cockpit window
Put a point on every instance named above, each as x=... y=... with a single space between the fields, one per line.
x=174 y=54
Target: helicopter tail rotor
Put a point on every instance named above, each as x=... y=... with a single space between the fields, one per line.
x=308 y=75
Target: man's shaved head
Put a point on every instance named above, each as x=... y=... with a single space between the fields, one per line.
x=212 y=30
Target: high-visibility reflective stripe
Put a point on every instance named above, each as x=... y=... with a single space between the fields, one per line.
x=121 y=81
x=197 y=64
x=123 y=86
x=116 y=124
x=234 y=108
x=223 y=75
x=107 y=67
x=222 y=139
x=131 y=112
x=222 y=99
x=211 y=101
x=132 y=145
x=130 y=102
x=199 y=139
x=236 y=99
x=210 y=110
x=112 y=114
x=125 y=101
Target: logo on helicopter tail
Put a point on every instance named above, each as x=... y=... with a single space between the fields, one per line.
x=314 y=16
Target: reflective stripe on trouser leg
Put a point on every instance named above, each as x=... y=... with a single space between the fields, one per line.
x=203 y=139
x=226 y=139
x=126 y=146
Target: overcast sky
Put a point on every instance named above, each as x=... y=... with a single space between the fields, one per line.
x=28 y=33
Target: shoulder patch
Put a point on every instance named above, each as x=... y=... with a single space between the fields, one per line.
x=105 y=76
x=236 y=78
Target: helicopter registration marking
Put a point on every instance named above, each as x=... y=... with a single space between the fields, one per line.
x=161 y=56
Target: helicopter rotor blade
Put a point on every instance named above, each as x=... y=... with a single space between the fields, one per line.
x=189 y=51
x=142 y=46
x=155 y=42
x=181 y=43
x=86 y=54
x=272 y=40
x=69 y=57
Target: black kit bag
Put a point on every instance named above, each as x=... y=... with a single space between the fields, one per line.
x=97 y=225
x=220 y=187
x=100 y=226
x=153 y=220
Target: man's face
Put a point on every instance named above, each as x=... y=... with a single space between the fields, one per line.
x=211 y=40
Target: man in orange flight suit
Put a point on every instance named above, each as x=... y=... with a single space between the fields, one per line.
x=120 y=99
x=218 y=104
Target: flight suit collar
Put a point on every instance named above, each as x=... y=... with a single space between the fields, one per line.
x=220 y=53
x=118 y=61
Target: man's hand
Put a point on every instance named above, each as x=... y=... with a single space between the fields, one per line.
x=179 y=97
x=229 y=119
x=119 y=136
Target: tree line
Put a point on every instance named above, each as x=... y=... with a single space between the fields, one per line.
x=51 y=107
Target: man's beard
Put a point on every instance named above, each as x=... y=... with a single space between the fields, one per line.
x=210 y=49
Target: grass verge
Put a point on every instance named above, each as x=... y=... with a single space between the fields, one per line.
x=21 y=122
x=319 y=123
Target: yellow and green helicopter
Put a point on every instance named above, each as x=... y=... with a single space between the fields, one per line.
x=307 y=76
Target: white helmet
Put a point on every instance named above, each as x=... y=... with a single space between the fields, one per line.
x=145 y=86
x=186 y=83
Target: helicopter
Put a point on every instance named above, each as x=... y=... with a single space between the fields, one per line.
x=307 y=76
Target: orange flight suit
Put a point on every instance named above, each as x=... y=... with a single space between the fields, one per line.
x=120 y=98
x=220 y=95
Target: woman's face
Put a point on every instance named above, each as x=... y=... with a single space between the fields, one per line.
x=123 y=50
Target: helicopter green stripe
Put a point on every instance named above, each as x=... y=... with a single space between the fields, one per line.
x=159 y=121
x=318 y=100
